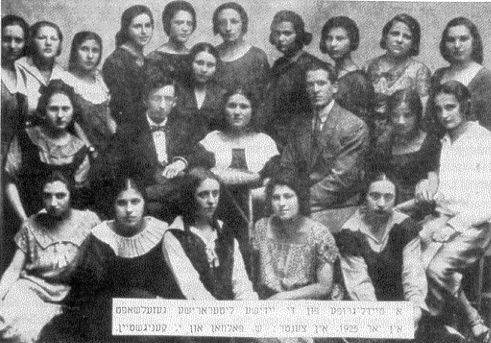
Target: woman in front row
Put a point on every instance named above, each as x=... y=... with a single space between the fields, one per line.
x=381 y=251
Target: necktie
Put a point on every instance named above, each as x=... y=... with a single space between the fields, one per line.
x=154 y=128
x=238 y=159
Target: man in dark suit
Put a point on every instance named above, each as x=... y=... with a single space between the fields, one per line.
x=331 y=147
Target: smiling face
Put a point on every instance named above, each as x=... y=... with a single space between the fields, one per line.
x=458 y=43
x=181 y=27
x=140 y=30
x=204 y=67
x=381 y=198
x=207 y=196
x=284 y=37
x=399 y=40
x=88 y=55
x=13 y=42
x=59 y=112
x=448 y=111
x=47 y=43
x=129 y=208
x=338 y=43
x=238 y=111
x=284 y=202
x=230 y=25
x=56 y=199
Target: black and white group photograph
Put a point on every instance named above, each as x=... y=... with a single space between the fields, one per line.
x=207 y=150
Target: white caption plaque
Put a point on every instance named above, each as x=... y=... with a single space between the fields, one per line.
x=301 y=318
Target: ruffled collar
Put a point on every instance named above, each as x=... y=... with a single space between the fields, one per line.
x=96 y=93
x=27 y=64
x=134 y=246
x=47 y=145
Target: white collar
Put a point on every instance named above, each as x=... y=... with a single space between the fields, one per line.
x=322 y=114
x=152 y=123
x=57 y=73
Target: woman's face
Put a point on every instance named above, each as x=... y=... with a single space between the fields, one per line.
x=13 y=41
x=284 y=37
x=59 y=112
x=207 y=196
x=459 y=43
x=448 y=111
x=230 y=25
x=129 y=207
x=338 y=43
x=403 y=120
x=181 y=26
x=56 y=198
x=88 y=55
x=381 y=198
x=140 y=30
x=47 y=43
x=284 y=202
x=399 y=40
x=238 y=111
x=204 y=66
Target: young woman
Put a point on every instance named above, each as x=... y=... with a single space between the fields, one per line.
x=381 y=251
x=406 y=153
x=38 y=150
x=121 y=258
x=339 y=38
x=200 y=100
x=201 y=250
x=15 y=33
x=33 y=287
x=286 y=98
x=243 y=65
x=397 y=69
x=461 y=46
x=123 y=70
x=92 y=93
x=171 y=58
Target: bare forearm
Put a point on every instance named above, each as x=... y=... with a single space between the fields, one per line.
x=313 y=291
x=232 y=176
x=13 y=196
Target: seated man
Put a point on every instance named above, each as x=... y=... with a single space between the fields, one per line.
x=331 y=147
x=456 y=237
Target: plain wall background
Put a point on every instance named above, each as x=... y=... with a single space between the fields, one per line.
x=104 y=16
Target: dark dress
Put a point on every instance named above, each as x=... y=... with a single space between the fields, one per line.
x=286 y=97
x=249 y=72
x=161 y=63
x=407 y=170
x=125 y=79
x=113 y=266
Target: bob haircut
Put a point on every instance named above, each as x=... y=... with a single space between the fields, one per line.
x=411 y=98
x=381 y=176
x=303 y=38
x=347 y=24
x=413 y=26
x=56 y=87
x=253 y=125
x=233 y=6
x=477 y=55
x=79 y=39
x=298 y=183
x=356 y=93
x=128 y=15
x=322 y=66
x=170 y=11
x=461 y=94
x=31 y=47
x=12 y=20
x=189 y=184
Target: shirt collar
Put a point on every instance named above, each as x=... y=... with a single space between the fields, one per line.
x=152 y=123
x=322 y=114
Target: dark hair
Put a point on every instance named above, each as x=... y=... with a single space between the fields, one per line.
x=250 y=96
x=356 y=94
x=237 y=8
x=55 y=176
x=413 y=26
x=411 y=98
x=298 y=183
x=189 y=184
x=303 y=38
x=320 y=65
x=33 y=31
x=172 y=8
x=477 y=54
x=56 y=87
x=124 y=183
x=344 y=22
x=461 y=94
x=11 y=20
x=381 y=176
x=78 y=39
x=128 y=15
x=156 y=82
x=200 y=47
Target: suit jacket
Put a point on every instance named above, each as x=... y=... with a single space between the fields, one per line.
x=334 y=160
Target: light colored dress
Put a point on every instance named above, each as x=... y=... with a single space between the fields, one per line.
x=51 y=255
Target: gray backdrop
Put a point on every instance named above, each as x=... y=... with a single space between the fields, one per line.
x=103 y=17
